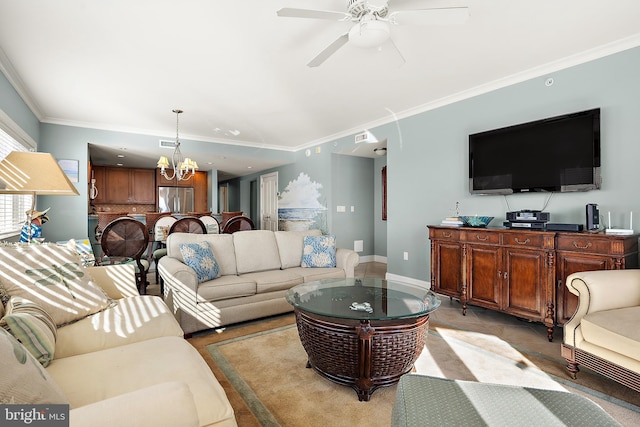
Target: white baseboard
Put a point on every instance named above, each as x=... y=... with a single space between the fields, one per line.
x=409 y=280
x=373 y=258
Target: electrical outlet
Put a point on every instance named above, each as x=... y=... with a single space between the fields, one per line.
x=341 y=209
x=406 y=256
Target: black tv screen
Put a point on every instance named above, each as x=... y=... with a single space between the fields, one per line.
x=556 y=154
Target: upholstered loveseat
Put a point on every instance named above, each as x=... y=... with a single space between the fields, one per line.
x=255 y=269
x=84 y=337
x=603 y=334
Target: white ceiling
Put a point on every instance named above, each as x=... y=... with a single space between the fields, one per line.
x=234 y=65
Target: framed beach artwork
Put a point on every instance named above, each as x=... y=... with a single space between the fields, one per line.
x=71 y=168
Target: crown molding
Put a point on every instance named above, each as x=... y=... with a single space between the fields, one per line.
x=554 y=66
x=14 y=79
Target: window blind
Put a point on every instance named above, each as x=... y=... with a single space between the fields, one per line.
x=12 y=206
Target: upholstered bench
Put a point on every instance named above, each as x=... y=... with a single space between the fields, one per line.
x=426 y=401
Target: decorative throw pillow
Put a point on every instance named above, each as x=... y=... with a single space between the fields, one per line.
x=319 y=251
x=52 y=277
x=199 y=256
x=23 y=379
x=33 y=327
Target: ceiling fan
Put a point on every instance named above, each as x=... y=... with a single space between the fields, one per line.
x=371 y=20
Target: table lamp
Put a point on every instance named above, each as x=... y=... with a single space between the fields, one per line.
x=38 y=174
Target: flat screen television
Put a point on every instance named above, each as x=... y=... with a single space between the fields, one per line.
x=556 y=154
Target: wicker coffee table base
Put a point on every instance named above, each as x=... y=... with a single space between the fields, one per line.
x=364 y=355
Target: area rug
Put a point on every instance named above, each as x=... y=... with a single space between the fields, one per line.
x=268 y=370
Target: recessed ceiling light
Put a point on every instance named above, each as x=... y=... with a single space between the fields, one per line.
x=121 y=156
x=234 y=132
x=249 y=167
x=119 y=164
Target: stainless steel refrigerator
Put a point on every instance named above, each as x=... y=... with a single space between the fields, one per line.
x=175 y=199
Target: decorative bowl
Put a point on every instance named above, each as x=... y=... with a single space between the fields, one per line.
x=476 y=221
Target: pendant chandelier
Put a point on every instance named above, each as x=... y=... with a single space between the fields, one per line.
x=183 y=168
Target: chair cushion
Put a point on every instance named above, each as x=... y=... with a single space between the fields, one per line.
x=33 y=327
x=143 y=364
x=290 y=244
x=616 y=330
x=274 y=280
x=226 y=287
x=319 y=251
x=132 y=319
x=53 y=277
x=23 y=379
x=200 y=257
x=313 y=274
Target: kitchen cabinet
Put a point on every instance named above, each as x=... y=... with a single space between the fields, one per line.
x=142 y=186
x=201 y=198
x=522 y=273
x=124 y=185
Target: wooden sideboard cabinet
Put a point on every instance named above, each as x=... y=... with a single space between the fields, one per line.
x=587 y=252
x=521 y=272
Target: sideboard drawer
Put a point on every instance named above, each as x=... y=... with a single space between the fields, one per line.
x=528 y=240
x=481 y=236
x=583 y=244
x=445 y=233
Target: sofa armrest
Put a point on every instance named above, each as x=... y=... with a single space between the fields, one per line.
x=118 y=281
x=598 y=291
x=348 y=260
x=168 y=404
x=177 y=274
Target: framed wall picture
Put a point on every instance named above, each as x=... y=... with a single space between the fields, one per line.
x=71 y=168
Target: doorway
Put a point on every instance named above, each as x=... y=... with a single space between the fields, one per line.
x=269 y=201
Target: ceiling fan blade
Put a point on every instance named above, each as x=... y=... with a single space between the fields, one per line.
x=315 y=14
x=439 y=16
x=329 y=50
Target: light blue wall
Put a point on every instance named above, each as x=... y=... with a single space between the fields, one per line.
x=15 y=108
x=352 y=179
x=428 y=167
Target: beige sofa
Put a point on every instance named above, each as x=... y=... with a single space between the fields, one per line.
x=603 y=334
x=257 y=268
x=126 y=365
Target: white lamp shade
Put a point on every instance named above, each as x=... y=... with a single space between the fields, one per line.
x=163 y=162
x=23 y=172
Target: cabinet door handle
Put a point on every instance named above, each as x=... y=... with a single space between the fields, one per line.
x=447 y=235
x=505 y=275
x=588 y=245
x=479 y=237
x=499 y=274
x=522 y=243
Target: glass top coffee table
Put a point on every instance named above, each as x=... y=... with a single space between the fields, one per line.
x=364 y=333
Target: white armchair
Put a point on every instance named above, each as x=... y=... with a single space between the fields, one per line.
x=603 y=334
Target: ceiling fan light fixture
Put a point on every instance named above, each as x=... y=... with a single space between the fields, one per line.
x=370 y=33
x=381 y=151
